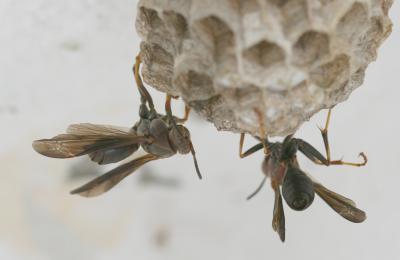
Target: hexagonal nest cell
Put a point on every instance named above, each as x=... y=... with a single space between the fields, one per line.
x=288 y=58
x=312 y=47
x=264 y=54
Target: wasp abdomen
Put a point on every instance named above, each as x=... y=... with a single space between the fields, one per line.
x=297 y=189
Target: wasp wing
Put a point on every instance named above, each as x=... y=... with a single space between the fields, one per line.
x=95 y=129
x=342 y=205
x=86 y=138
x=278 y=220
x=108 y=180
x=113 y=155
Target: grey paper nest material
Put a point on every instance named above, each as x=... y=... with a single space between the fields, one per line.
x=289 y=58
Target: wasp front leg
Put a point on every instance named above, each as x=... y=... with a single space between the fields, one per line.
x=262 y=131
x=250 y=151
x=186 y=116
x=168 y=110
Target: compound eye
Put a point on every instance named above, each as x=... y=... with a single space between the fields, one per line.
x=180 y=139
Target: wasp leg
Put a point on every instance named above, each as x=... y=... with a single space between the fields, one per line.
x=168 y=110
x=315 y=156
x=145 y=95
x=250 y=151
x=340 y=162
x=186 y=116
x=262 y=131
x=324 y=133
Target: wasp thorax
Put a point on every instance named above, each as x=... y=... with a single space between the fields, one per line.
x=180 y=139
x=297 y=189
x=289 y=150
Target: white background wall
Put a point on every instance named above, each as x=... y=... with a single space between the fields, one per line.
x=64 y=62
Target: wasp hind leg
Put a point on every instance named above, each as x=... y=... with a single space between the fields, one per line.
x=328 y=161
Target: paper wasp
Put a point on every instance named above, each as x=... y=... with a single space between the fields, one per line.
x=281 y=166
x=161 y=136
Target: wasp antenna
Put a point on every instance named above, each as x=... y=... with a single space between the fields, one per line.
x=257 y=190
x=196 y=165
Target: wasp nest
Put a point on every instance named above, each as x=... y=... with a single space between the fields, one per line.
x=288 y=58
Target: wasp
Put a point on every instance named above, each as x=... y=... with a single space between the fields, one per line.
x=288 y=180
x=161 y=136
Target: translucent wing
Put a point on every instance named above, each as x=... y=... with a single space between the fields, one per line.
x=86 y=138
x=278 y=220
x=108 y=180
x=342 y=205
x=94 y=129
x=113 y=155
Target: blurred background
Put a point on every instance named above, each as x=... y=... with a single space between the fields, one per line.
x=64 y=62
